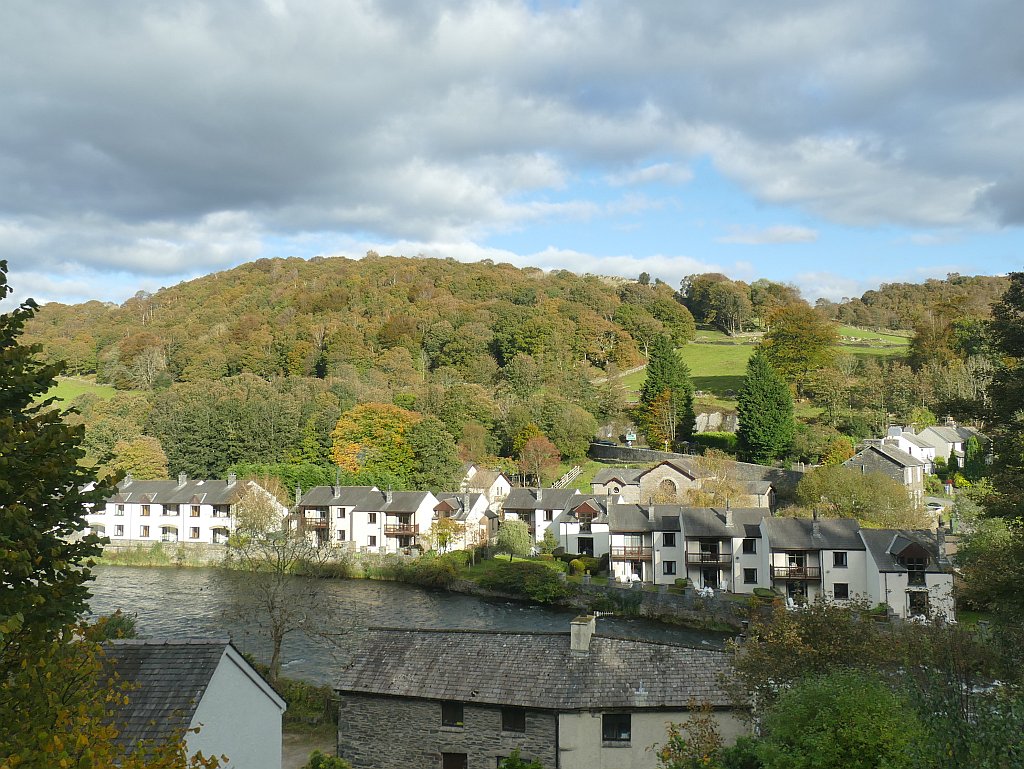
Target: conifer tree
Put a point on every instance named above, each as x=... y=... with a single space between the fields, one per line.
x=665 y=412
x=765 y=413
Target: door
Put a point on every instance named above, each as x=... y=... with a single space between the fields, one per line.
x=710 y=577
x=454 y=761
x=917 y=603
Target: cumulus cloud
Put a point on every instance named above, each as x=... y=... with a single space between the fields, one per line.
x=177 y=137
x=779 y=233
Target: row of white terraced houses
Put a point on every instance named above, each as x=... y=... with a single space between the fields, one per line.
x=736 y=550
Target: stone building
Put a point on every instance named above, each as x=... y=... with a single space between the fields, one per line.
x=465 y=699
x=877 y=457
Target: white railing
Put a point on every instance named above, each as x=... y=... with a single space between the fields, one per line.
x=568 y=478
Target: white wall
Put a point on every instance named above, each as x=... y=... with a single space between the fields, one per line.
x=854 y=575
x=238 y=719
x=580 y=745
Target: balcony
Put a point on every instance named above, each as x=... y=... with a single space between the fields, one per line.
x=708 y=559
x=314 y=523
x=631 y=553
x=401 y=529
x=796 y=572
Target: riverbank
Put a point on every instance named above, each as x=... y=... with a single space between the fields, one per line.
x=724 y=613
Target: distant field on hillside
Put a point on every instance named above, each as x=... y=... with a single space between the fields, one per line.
x=69 y=388
x=717 y=362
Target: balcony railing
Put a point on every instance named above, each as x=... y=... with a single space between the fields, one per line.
x=631 y=553
x=704 y=558
x=796 y=572
x=315 y=523
x=401 y=529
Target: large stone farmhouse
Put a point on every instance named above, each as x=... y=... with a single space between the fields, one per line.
x=466 y=699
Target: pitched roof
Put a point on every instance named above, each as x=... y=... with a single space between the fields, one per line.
x=798 y=534
x=483 y=479
x=686 y=465
x=710 y=522
x=626 y=476
x=896 y=456
x=209 y=492
x=533 y=670
x=324 y=496
x=551 y=499
x=456 y=502
x=402 y=502
x=885 y=545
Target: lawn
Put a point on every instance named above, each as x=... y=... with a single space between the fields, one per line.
x=69 y=388
x=890 y=337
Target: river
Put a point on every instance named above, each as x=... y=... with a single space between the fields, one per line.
x=186 y=602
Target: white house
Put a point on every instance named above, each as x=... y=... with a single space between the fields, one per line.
x=905 y=440
x=723 y=548
x=949 y=438
x=173 y=511
x=472 y=512
x=493 y=484
x=400 y=518
x=327 y=514
x=176 y=686
x=811 y=558
x=909 y=571
x=539 y=507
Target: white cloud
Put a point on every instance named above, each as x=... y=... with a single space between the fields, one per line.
x=669 y=173
x=779 y=233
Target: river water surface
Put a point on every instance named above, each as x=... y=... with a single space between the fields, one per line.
x=200 y=603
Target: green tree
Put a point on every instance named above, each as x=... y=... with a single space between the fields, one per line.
x=445 y=532
x=800 y=341
x=765 y=409
x=374 y=436
x=974 y=460
x=516 y=761
x=143 y=458
x=539 y=458
x=42 y=498
x=666 y=397
x=842 y=719
x=318 y=760
x=514 y=538
x=693 y=744
x=874 y=499
x=435 y=455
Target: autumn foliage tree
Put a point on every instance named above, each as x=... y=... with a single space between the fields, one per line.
x=799 y=342
x=372 y=436
x=539 y=457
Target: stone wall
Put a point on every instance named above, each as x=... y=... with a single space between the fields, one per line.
x=377 y=732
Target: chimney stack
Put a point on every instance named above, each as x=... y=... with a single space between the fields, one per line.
x=581 y=630
x=232 y=479
x=298 y=495
x=540 y=492
x=940 y=539
x=389 y=496
x=127 y=480
x=728 y=514
x=465 y=502
x=815 y=525
x=337 y=491
x=182 y=479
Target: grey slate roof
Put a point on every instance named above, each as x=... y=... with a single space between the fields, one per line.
x=210 y=492
x=551 y=499
x=325 y=496
x=884 y=545
x=402 y=502
x=710 y=522
x=171 y=677
x=627 y=476
x=533 y=670
x=458 y=500
x=483 y=479
x=798 y=534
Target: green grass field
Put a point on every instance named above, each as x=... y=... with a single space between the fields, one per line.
x=717 y=362
x=69 y=388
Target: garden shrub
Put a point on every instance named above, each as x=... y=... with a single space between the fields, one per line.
x=532 y=579
x=576 y=566
x=726 y=442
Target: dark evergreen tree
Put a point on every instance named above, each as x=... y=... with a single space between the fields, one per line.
x=765 y=413
x=42 y=501
x=974 y=460
x=1006 y=394
x=666 y=399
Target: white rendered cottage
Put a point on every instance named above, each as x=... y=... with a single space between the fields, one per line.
x=198 y=511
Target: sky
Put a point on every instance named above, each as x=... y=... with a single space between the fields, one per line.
x=830 y=144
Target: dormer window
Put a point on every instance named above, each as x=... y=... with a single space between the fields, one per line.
x=915 y=569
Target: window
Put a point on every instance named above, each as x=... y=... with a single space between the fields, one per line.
x=750 y=576
x=669 y=567
x=841 y=591
x=145 y=510
x=915 y=570
x=373 y=542
x=341 y=513
x=451 y=714
x=549 y=515
x=750 y=546
x=341 y=535
x=615 y=727
x=193 y=532
x=513 y=720
x=170 y=509
x=119 y=510
x=668 y=540
x=119 y=531
x=839 y=560
x=371 y=517
x=194 y=511
x=143 y=531
x=454 y=761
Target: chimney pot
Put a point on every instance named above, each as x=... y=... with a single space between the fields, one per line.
x=232 y=479
x=337 y=490
x=581 y=630
x=389 y=496
x=182 y=479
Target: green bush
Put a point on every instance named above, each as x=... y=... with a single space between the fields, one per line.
x=590 y=563
x=765 y=592
x=726 y=442
x=318 y=760
x=682 y=582
x=532 y=579
x=459 y=558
